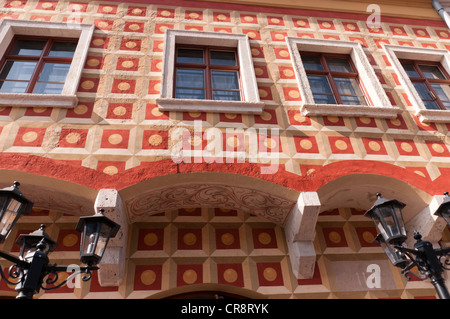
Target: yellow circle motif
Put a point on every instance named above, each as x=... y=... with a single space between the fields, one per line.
x=111 y=170
x=150 y=239
x=70 y=240
x=148 y=277
x=230 y=275
x=115 y=139
x=270 y=274
x=227 y=239
x=29 y=137
x=190 y=276
x=264 y=238
x=189 y=239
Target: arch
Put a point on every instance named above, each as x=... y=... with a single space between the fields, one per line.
x=359 y=191
x=52 y=193
x=222 y=190
x=206 y=291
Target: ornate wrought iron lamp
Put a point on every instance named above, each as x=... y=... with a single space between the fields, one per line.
x=387 y=216
x=32 y=266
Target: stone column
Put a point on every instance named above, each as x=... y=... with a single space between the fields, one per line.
x=300 y=230
x=112 y=265
x=429 y=225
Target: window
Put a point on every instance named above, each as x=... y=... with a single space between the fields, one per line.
x=424 y=76
x=41 y=62
x=208 y=72
x=431 y=82
x=36 y=65
x=335 y=78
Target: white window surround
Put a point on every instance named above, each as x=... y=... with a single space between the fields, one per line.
x=381 y=108
x=395 y=53
x=67 y=99
x=251 y=103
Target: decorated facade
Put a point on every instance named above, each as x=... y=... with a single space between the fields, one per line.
x=238 y=144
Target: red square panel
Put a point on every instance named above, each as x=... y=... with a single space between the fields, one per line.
x=190 y=238
x=230 y=274
x=334 y=237
x=269 y=274
x=227 y=238
x=148 y=277
x=264 y=238
x=150 y=239
x=189 y=275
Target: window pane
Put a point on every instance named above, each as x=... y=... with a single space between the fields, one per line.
x=13 y=86
x=312 y=63
x=447 y=105
x=63 y=49
x=324 y=99
x=425 y=96
x=190 y=56
x=17 y=70
x=339 y=65
x=422 y=90
x=353 y=100
x=190 y=78
x=347 y=86
x=442 y=91
x=225 y=80
x=223 y=58
x=432 y=72
x=410 y=71
x=28 y=47
x=190 y=94
x=54 y=72
x=226 y=95
x=48 y=88
x=319 y=84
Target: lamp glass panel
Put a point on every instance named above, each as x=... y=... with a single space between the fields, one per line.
x=9 y=216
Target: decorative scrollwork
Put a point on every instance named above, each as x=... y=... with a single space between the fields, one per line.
x=13 y=272
x=53 y=278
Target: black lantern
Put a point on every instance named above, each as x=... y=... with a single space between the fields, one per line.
x=387 y=216
x=12 y=205
x=96 y=232
x=396 y=257
x=444 y=209
x=38 y=239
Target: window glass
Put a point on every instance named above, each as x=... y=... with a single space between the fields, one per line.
x=190 y=84
x=339 y=65
x=424 y=94
x=54 y=72
x=321 y=89
x=48 y=88
x=350 y=91
x=28 y=47
x=432 y=72
x=190 y=56
x=63 y=49
x=443 y=92
x=410 y=71
x=226 y=58
x=18 y=70
x=225 y=85
x=312 y=63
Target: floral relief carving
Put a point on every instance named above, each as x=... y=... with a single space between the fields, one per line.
x=263 y=204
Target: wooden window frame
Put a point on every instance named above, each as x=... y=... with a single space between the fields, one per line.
x=332 y=74
x=41 y=60
x=208 y=67
x=422 y=79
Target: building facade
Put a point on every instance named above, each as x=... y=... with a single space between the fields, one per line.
x=238 y=144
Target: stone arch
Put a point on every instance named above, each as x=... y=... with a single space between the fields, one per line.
x=52 y=193
x=359 y=191
x=225 y=190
